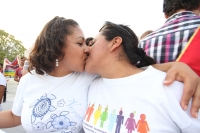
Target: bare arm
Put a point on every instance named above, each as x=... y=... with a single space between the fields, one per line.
x=8 y=119
x=16 y=77
x=2 y=89
x=181 y=72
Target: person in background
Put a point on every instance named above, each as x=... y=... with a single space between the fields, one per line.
x=145 y=34
x=1 y=67
x=88 y=41
x=166 y=43
x=2 y=88
x=18 y=72
x=25 y=67
x=52 y=97
x=124 y=86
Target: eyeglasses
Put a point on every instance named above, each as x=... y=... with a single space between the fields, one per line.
x=107 y=23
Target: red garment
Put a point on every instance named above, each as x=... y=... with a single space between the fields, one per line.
x=18 y=72
x=190 y=55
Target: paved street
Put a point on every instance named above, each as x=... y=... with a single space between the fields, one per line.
x=11 y=90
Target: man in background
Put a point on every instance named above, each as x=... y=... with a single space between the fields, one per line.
x=166 y=43
x=89 y=41
x=18 y=72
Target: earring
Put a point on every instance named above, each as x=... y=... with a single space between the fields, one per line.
x=138 y=62
x=56 y=62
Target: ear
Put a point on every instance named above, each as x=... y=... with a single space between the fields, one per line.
x=116 y=42
x=166 y=16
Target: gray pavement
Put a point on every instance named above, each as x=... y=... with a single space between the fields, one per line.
x=11 y=90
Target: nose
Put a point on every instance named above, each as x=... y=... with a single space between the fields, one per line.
x=86 y=49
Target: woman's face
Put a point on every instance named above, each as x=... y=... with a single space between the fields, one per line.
x=75 y=51
x=96 y=60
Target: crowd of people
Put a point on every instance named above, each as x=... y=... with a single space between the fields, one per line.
x=111 y=82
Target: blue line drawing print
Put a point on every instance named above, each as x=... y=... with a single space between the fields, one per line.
x=42 y=106
x=61 y=103
x=60 y=122
x=39 y=126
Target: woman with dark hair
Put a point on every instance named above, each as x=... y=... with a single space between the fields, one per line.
x=127 y=87
x=88 y=41
x=52 y=97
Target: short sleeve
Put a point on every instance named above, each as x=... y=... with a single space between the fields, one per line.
x=18 y=100
x=2 y=80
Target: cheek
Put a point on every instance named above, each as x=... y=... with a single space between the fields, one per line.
x=94 y=54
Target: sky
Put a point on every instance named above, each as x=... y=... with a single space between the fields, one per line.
x=24 y=19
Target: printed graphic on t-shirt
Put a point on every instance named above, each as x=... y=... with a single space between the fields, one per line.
x=111 y=120
x=58 y=122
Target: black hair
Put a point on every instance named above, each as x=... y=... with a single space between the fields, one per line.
x=172 y=6
x=50 y=43
x=88 y=39
x=135 y=55
x=23 y=58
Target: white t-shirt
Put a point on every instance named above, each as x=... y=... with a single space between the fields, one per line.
x=137 y=103
x=52 y=104
x=2 y=80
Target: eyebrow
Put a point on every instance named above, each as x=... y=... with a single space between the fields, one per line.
x=81 y=38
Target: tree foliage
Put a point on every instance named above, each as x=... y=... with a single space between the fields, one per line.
x=10 y=47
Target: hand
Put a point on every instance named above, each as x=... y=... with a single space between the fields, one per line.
x=183 y=73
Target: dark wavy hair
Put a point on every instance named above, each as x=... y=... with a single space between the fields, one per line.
x=49 y=44
x=135 y=55
x=172 y=6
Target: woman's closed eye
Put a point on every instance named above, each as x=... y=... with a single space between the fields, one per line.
x=91 y=44
x=80 y=44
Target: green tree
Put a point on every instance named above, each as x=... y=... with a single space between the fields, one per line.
x=10 y=47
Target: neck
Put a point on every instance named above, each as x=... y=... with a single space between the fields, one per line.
x=197 y=12
x=59 y=72
x=181 y=10
x=119 y=69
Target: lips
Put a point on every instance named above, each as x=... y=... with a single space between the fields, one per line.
x=87 y=56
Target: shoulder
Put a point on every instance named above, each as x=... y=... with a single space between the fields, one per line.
x=31 y=77
x=175 y=90
x=96 y=82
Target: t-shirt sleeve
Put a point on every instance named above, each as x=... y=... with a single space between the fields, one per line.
x=2 y=80
x=18 y=100
x=182 y=118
